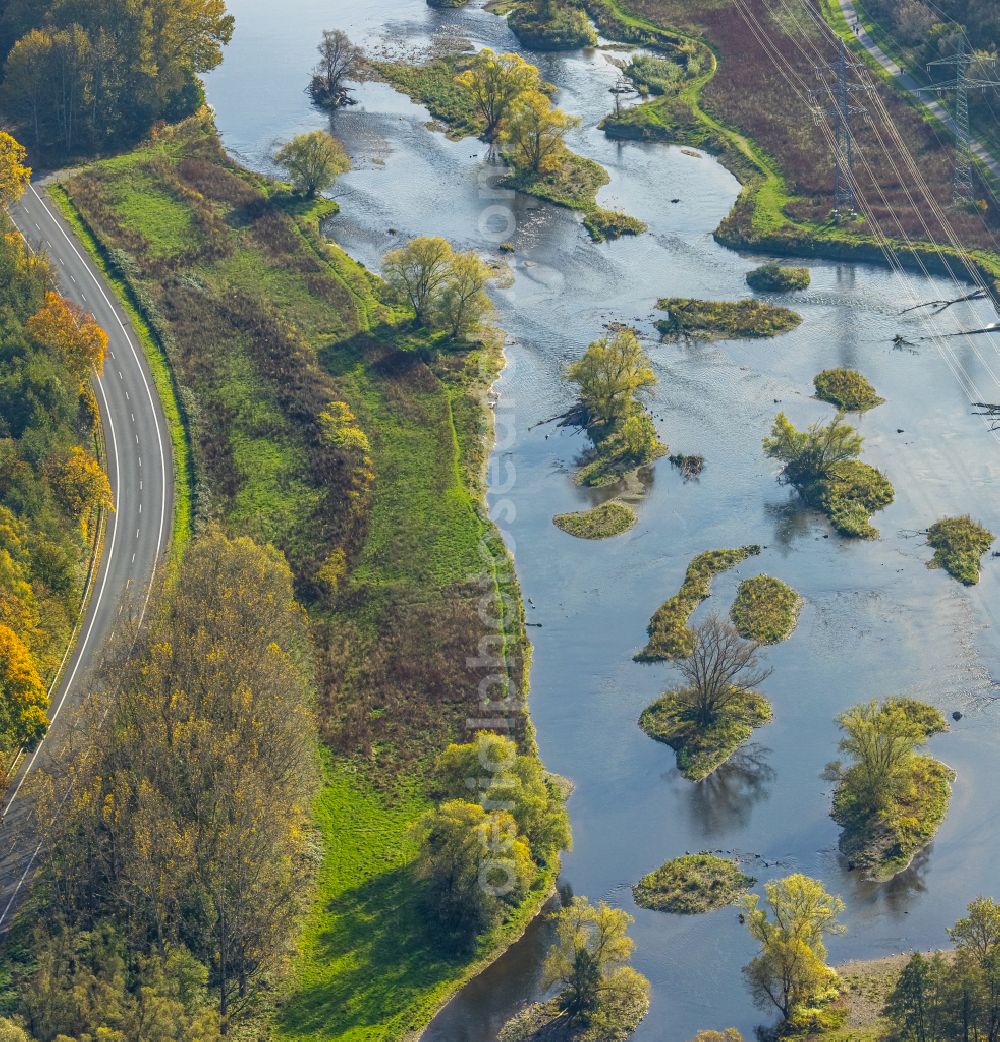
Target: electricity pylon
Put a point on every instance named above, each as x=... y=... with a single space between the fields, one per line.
x=840 y=112
x=962 y=185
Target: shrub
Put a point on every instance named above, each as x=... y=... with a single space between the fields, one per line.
x=822 y=463
x=772 y=278
x=691 y=884
x=847 y=389
x=958 y=544
x=552 y=26
x=717 y=320
x=765 y=610
x=611 y=224
x=600 y=522
x=850 y=494
x=653 y=74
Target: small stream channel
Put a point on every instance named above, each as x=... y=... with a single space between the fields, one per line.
x=876 y=621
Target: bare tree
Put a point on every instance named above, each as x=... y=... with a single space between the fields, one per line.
x=339 y=60
x=720 y=669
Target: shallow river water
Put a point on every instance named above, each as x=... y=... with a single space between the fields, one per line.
x=876 y=621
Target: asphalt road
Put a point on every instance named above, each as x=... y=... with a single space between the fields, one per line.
x=137 y=533
x=909 y=83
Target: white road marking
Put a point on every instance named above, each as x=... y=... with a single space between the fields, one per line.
x=82 y=648
x=72 y=276
x=132 y=414
x=159 y=538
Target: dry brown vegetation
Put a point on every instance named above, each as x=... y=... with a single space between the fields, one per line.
x=749 y=94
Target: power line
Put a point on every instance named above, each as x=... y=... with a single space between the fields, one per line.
x=963 y=185
x=841 y=111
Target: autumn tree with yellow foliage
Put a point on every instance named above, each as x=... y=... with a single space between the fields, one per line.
x=535 y=132
x=63 y=327
x=187 y=823
x=14 y=173
x=50 y=480
x=23 y=700
x=80 y=484
x=494 y=82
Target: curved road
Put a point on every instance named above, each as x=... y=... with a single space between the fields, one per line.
x=141 y=473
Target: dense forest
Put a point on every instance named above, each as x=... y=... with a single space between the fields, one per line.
x=50 y=481
x=179 y=853
x=81 y=76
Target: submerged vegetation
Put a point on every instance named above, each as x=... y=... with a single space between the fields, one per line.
x=706 y=721
x=959 y=544
x=691 y=884
x=669 y=634
x=600 y=522
x=502 y=99
x=722 y=320
x=773 y=278
x=822 y=463
x=765 y=610
x=847 y=389
x=890 y=800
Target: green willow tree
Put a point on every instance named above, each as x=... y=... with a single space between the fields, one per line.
x=791 y=971
x=313 y=162
x=612 y=376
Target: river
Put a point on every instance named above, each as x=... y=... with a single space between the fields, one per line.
x=876 y=621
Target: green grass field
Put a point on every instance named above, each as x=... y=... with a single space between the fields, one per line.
x=263 y=323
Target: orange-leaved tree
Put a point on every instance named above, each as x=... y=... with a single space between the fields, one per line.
x=72 y=332
x=23 y=700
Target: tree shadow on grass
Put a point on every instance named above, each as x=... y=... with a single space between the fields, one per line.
x=375 y=956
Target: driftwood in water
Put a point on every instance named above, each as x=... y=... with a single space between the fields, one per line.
x=993 y=327
x=990 y=410
x=943 y=305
